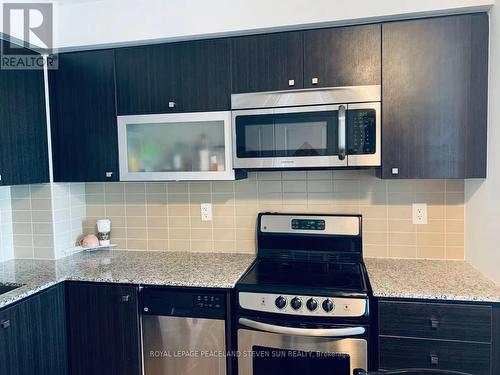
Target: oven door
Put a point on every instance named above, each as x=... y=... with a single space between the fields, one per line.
x=272 y=349
x=290 y=137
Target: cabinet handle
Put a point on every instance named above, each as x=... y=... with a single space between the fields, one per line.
x=434 y=323
x=0 y=177
x=291 y=82
x=434 y=359
x=109 y=174
x=395 y=171
x=315 y=81
x=5 y=324
x=171 y=104
x=126 y=298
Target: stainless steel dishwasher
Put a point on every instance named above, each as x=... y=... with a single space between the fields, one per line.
x=183 y=331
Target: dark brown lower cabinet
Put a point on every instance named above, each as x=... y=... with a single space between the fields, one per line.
x=397 y=352
x=33 y=337
x=446 y=336
x=441 y=321
x=495 y=348
x=103 y=329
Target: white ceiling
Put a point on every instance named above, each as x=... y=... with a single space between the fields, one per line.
x=80 y=24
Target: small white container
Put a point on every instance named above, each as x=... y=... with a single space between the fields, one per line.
x=104 y=232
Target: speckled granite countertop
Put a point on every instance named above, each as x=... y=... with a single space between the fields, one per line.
x=391 y=278
x=214 y=270
x=430 y=279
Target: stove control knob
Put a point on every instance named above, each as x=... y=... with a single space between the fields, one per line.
x=280 y=302
x=328 y=305
x=296 y=303
x=312 y=304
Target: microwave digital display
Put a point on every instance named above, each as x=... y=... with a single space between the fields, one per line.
x=361 y=131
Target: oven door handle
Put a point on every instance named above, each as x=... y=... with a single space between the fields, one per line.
x=314 y=332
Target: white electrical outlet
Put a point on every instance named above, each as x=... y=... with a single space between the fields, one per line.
x=419 y=213
x=206 y=212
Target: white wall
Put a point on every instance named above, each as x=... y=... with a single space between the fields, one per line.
x=482 y=209
x=93 y=22
x=6 y=234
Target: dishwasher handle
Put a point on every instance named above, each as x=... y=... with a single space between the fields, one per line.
x=313 y=332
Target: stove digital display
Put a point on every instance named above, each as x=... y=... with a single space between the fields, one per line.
x=308 y=224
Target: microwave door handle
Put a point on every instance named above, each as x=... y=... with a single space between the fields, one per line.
x=312 y=332
x=341 y=135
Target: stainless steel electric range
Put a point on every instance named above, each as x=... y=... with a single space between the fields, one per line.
x=303 y=306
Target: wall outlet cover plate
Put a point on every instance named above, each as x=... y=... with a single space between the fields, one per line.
x=206 y=212
x=419 y=213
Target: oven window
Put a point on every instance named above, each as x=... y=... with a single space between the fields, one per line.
x=287 y=134
x=294 y=362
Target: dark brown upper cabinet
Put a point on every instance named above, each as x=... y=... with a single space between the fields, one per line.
x=173 y=77
x=342 y=56
x=434 y=97
x=205 y=75
x=146 y=79
x=83 y=117
x=24 y=155
x=267 y=62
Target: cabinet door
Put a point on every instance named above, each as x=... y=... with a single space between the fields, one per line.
x=205 y=75
x=434 y=95
x=147 y=79
x=32 y=336
x=343 y=56
x=8 y=353
x=53 y=352
x=437 y=321
x=267 y=62
x=495 y=360
x=23 y=128
x=402 y=352
x=103 y=329
x=84 y=133
x=21 y=331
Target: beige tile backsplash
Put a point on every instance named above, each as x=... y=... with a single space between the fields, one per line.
x=166 y=216
x=46 y=219
x=32 y=221
x=43 y=221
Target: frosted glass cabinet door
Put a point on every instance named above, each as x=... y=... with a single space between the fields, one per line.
x=181 y=146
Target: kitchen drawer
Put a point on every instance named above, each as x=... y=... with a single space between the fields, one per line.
x=398 y=352
x=435 y=321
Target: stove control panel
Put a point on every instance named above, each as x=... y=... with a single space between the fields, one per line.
x=303 y=305
x=309 y=224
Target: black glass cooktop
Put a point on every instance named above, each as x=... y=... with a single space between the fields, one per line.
x=345 y=277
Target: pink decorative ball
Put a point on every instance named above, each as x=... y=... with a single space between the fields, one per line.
x=89 y=241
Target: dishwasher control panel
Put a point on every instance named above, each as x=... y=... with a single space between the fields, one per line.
x=208 y=301
x=182 y=302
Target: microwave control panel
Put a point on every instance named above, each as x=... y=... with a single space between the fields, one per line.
x=361 y=130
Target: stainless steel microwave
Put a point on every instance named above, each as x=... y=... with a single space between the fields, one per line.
x=311 y=128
